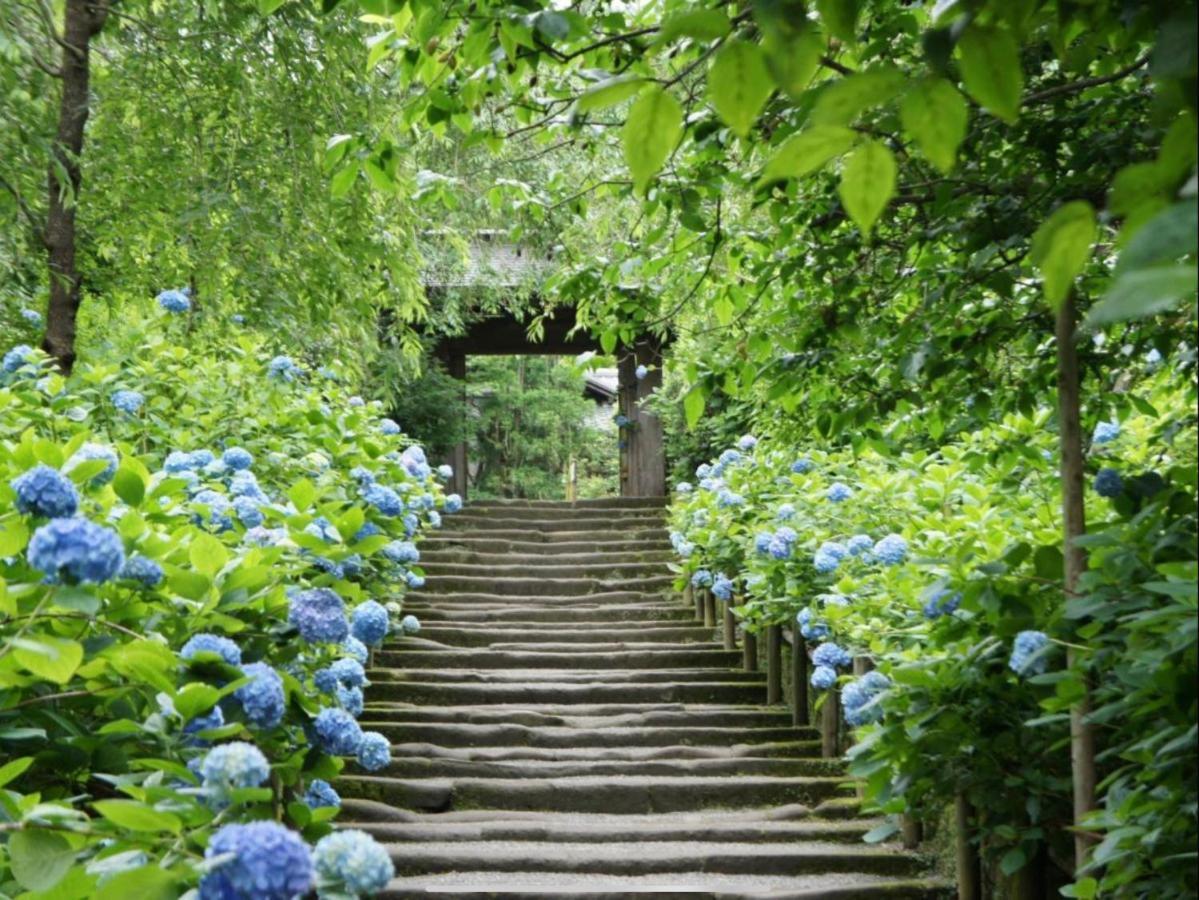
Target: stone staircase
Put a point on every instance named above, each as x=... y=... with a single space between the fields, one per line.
x=563 y=727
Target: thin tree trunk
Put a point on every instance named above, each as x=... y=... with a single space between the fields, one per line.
x=1082 y=738
x=82 y=20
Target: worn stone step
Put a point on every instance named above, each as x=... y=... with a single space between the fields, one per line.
x=677 y=885
x=519 y=601
x=511 y=734
x=592 y=647
x=424 y=767
x=565 y=633
x=537 y=587
x=419 y=656
x=550 y=568
x=542 y=692
x=565 y=676
x=652 y=543
x=588 y=504
x=430 y=612
x=484 y=524
x=454 y=554
x=607 y=534
x=586 y=714
x=794 y=749
x=607 y=793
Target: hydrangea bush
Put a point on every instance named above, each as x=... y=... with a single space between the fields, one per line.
x=189 y=572
x=943 y=567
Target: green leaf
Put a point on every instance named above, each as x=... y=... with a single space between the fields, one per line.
x=14 y=769
x=137 y=816
x=792 y=59
x=191 y=585
x=608 y=93
x=195 y=699
x=844 y=100
x=266 y=7
x=340 y=184
x=807 y=151
x=693 y=405
x=79 y=599
x=651 y=131
x=990 y=62
x=14 y=535
x=145 y=662
x=1013 y=861
x=52 y=658
x=1144 y=292
x=701 y=24
x=302 y=493
x=880 y=832
x=935 y=116
x=867 y=184
x=739 y=84
x=207 y=554
x=840 y=17
x=146 y=883
x=39 y=859
x=553 y=26
x=1170 y=235
x=1061 y=247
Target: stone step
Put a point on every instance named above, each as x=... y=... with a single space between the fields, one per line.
x=443 y=693
x=565 y=676
x=607 y=534
x=586 y=715
x=537 y=587
x=550 y=568
x=440 y=767
x=510 y=734
x=521 y=544
x=793 y=749
x=507 y=614
x=687 y=885
x=615 y=503
x=483 y=524
x=453 y=554
x=460 y=598
x=606 y=793
x=419 y=656
x=461 y=635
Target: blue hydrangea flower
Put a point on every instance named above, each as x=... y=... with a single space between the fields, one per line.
x=238 y=319
x=237 y=458
x=269 y=863
x=410 y=624
x=320 y=793
x=89 y=452
x=1153 y=358
x=453 y=503
x=282 y=368
x=354 y=859
x=1105 y=432
x=891 y=550
x=75 y=551
x=202 y=458
x=212 y=643
x=261 y=698
x=128 y=401
x=143 y=569
x=319 y=615
x=801 y=466
x=1029 y=653
x=322 y=528
x=257 y=536
x=701 y=578
x=727 y=498
x=823 y=678
x=829 y=557
x=362 y=475
x=355 y=649
x=414 y=581
x=248 y=512
x=860 y=545
x=32 y=316
x=402 y=552
x=215 y=718
x=326 y=680
x=245 y=484
x=351 y=699
x=722 y=587
x=829 y=654
x=370 y=623
x=219 y=509
x=337 y=732
x=356 y=401
x=785 y=512
x=859 y=698
x=703 y=470
x=43 y=491
x=445 y=472
x=384 y=499
x=622 y=420
x=174 y=301
x=374 y=753
x=230 y=766
x=640 y=372
x=389 y=426
x=177 y=461
x=683 y=487
x=809 y=627
x=762 y=541
x=349 y=672
x=17 y=357
x=941 y=603
x=1108 y=483
x=778 y=548
x=838 y=492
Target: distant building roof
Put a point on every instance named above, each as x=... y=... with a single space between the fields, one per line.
x=601 y=385
x=490 y=261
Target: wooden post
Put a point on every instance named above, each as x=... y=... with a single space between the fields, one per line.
x=862 y=665
x=730 y=626
x=455 y=366
x=799 y=679
x=644 y=455
x=969 y=872
x=688 y=594
x=749 y=655
x=830 y=725
x=709 y=608
x=774 y=664
x=912 y=830
x=697 y=597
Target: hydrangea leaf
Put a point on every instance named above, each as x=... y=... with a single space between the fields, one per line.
x=129 y=485
x=195 y=699
x=137 y=816
x=1061 y=247
x=652 y=129
x=739 y=84
x=990 y=62
x=39 y=859
x=52 y=658
x=693 y=405
x=207 y=554
x=867 y=184
x=935 y=116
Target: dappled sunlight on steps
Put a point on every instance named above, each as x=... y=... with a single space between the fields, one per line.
x=563 y=727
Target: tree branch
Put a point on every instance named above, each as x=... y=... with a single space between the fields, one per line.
x=1073 y=87
x=36 y=223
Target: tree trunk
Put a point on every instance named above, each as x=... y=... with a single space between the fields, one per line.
x=82 y=20
x=1082 y=738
